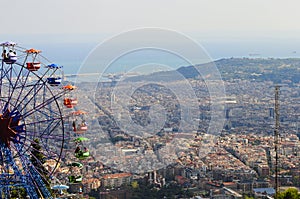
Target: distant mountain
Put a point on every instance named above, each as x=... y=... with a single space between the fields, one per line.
x=258 y=69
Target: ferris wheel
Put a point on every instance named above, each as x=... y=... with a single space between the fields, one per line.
x=31 y=121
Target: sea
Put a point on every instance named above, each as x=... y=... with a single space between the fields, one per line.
x=81 y=62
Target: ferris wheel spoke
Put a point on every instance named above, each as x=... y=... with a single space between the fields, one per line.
x=3 y=71
x=1 y=75
x=49 y=132
x=40 y=82
x=6 y=74
x=3 y=86
x=33 y=173
x=17 y=75
x=10 y=160
x=53 y=137
x=48 y=112
x=29 y=86
x=43 y=104
x=20 y=84
x=10 y=76
x=43 y=121
x=27 y=96
x=29 y=149
x=36 y=159
x=44 y=113
x=50 y=129
x=43 y=152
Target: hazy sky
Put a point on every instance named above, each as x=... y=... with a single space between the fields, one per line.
x=205 y=17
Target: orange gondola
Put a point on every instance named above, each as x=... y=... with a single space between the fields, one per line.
x=69 y=87
x=33 y=51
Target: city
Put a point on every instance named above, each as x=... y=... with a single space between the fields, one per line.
x=239 y=161
x=138 y=99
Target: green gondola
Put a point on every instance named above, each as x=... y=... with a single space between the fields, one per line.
x=80 y=139
x=75 y=164
x=82 y=155
x=75 y=179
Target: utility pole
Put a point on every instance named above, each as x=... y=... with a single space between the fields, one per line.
x=276 y=135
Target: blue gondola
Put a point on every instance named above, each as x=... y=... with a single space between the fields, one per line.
x=53 y=66
x=54 y=81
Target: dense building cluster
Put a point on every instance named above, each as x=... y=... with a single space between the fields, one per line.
x=240 y=159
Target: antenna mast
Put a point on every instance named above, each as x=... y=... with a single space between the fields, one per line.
x=276 y=135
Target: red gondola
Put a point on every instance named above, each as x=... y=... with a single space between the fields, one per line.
x=33 y=66
x=70 y=103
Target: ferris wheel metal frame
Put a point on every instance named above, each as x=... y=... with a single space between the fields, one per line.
x=32 y=131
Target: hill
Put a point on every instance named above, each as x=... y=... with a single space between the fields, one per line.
x=258 y=69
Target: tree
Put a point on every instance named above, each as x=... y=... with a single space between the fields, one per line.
x=296 y=181
x=38 y=159
x=135 y=184
x=18 y=193
x=36 y=152
x=290 y=193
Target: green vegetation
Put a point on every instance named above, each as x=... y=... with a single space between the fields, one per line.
x=290 y=193
x=147 y=191
x=18 y=193
x=38 y=159
x=135 y=184
x=296 y=181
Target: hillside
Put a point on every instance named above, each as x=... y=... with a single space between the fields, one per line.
x=276 y=70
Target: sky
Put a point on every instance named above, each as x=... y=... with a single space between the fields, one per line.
x=114 y=16
x=225 y=28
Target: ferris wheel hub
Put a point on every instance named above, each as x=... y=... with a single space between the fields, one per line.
x=7 y=125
